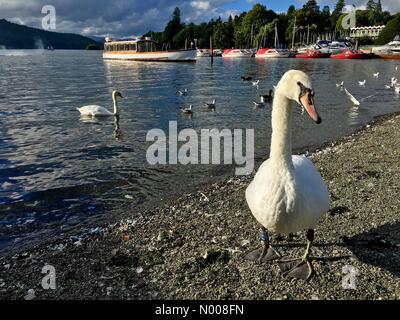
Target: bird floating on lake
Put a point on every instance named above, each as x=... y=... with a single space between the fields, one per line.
x=99 y=111
x=187 y=110
x=362 y=83
x=397 y=89
x=255 y=83
x=267 y=98
x=376 y=75
x=340 y=85
x=210 y=105
x=288 y=194
x=258 y=104
x=393 y=81
x=354 y=100
x=182 y=92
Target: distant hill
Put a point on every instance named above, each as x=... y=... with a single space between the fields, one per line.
x=15 y=36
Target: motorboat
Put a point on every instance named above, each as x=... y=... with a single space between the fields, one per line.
x=237 y=53
x=313 y=54
x=349 y=54
x=272 y=53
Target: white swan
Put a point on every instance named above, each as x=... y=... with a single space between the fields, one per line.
x=376 y=75
x=362 y=83
x=354 y=100
x=288 y=194
x=99 y=111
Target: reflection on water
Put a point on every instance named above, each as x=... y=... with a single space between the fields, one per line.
x=60 y=172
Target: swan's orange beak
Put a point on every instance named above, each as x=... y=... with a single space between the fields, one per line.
x=307 y=101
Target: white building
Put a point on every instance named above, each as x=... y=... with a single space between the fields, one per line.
x=370 y=32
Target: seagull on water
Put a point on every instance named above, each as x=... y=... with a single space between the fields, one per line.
x=362 y=83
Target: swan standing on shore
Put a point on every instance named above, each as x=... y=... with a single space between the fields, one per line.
x=288 y=194
x=99 y=111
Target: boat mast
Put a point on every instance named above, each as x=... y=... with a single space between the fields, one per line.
x=294 y=32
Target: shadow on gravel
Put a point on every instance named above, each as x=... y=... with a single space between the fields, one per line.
x=378 y=247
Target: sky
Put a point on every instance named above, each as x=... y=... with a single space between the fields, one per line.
x=135 y=17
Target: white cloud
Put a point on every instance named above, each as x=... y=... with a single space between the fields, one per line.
x=200 y=5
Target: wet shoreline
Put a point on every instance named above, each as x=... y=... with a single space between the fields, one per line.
x=193 y=247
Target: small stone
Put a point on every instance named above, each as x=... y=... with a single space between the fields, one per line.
x=139 y=270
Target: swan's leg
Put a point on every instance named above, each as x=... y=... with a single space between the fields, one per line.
x=266 y=252
x=299 y=268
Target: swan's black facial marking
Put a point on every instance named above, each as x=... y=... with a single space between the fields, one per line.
x=304 y=90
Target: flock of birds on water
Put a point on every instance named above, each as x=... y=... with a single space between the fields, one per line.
x=288 y=194
x=99 y=111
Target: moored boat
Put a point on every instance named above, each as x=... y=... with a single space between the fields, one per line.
x=203 y=53
x=144 y=49
x=389 y=51
x=349 y=54
x=272 y=53
x=313 y=54
x=237 y=53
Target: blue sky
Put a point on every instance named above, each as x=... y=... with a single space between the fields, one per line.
x=135 y=17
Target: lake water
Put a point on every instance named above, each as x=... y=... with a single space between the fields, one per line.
x=60 y=174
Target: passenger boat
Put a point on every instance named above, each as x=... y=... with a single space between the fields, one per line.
x=349 y=54
x=237 y=53
x=272 y=53
x=144 y=49
x=313 y=54
x=203 y=53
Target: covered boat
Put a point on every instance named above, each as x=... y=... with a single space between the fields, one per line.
x=313 y=54
x=144 y=49
x=203 y=53
x=389 y=51
x=237 y=53
x=272 y=53
x=349 y=54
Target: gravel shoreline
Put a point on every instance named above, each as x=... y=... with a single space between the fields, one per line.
x=193 y=248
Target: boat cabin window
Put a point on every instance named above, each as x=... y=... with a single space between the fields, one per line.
x=146 y=46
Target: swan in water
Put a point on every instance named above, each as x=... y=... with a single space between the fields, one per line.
x=362 y=83
x=255 y=83
x=376 y=75
x=99 y=111
x=354 y=100
x=288 y=194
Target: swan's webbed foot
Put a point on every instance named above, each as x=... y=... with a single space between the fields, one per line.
x=299 y=268
x=266 y=252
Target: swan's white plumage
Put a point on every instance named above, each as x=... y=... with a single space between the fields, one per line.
x=99 y=111
x=288 y=201
x=94 y=111
x=287 y=194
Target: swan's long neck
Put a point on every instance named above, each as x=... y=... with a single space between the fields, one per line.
x=115 y=105
x=281 y=140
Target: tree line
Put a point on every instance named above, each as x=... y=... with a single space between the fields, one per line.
x=256 y=28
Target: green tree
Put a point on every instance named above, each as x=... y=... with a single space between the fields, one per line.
x=337 y=12
x=390 y=31
x=173 y=27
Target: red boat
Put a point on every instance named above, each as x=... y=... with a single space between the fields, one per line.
x=313 y=54
x=349 y=54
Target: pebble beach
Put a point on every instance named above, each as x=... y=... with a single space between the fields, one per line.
x=194 y=247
